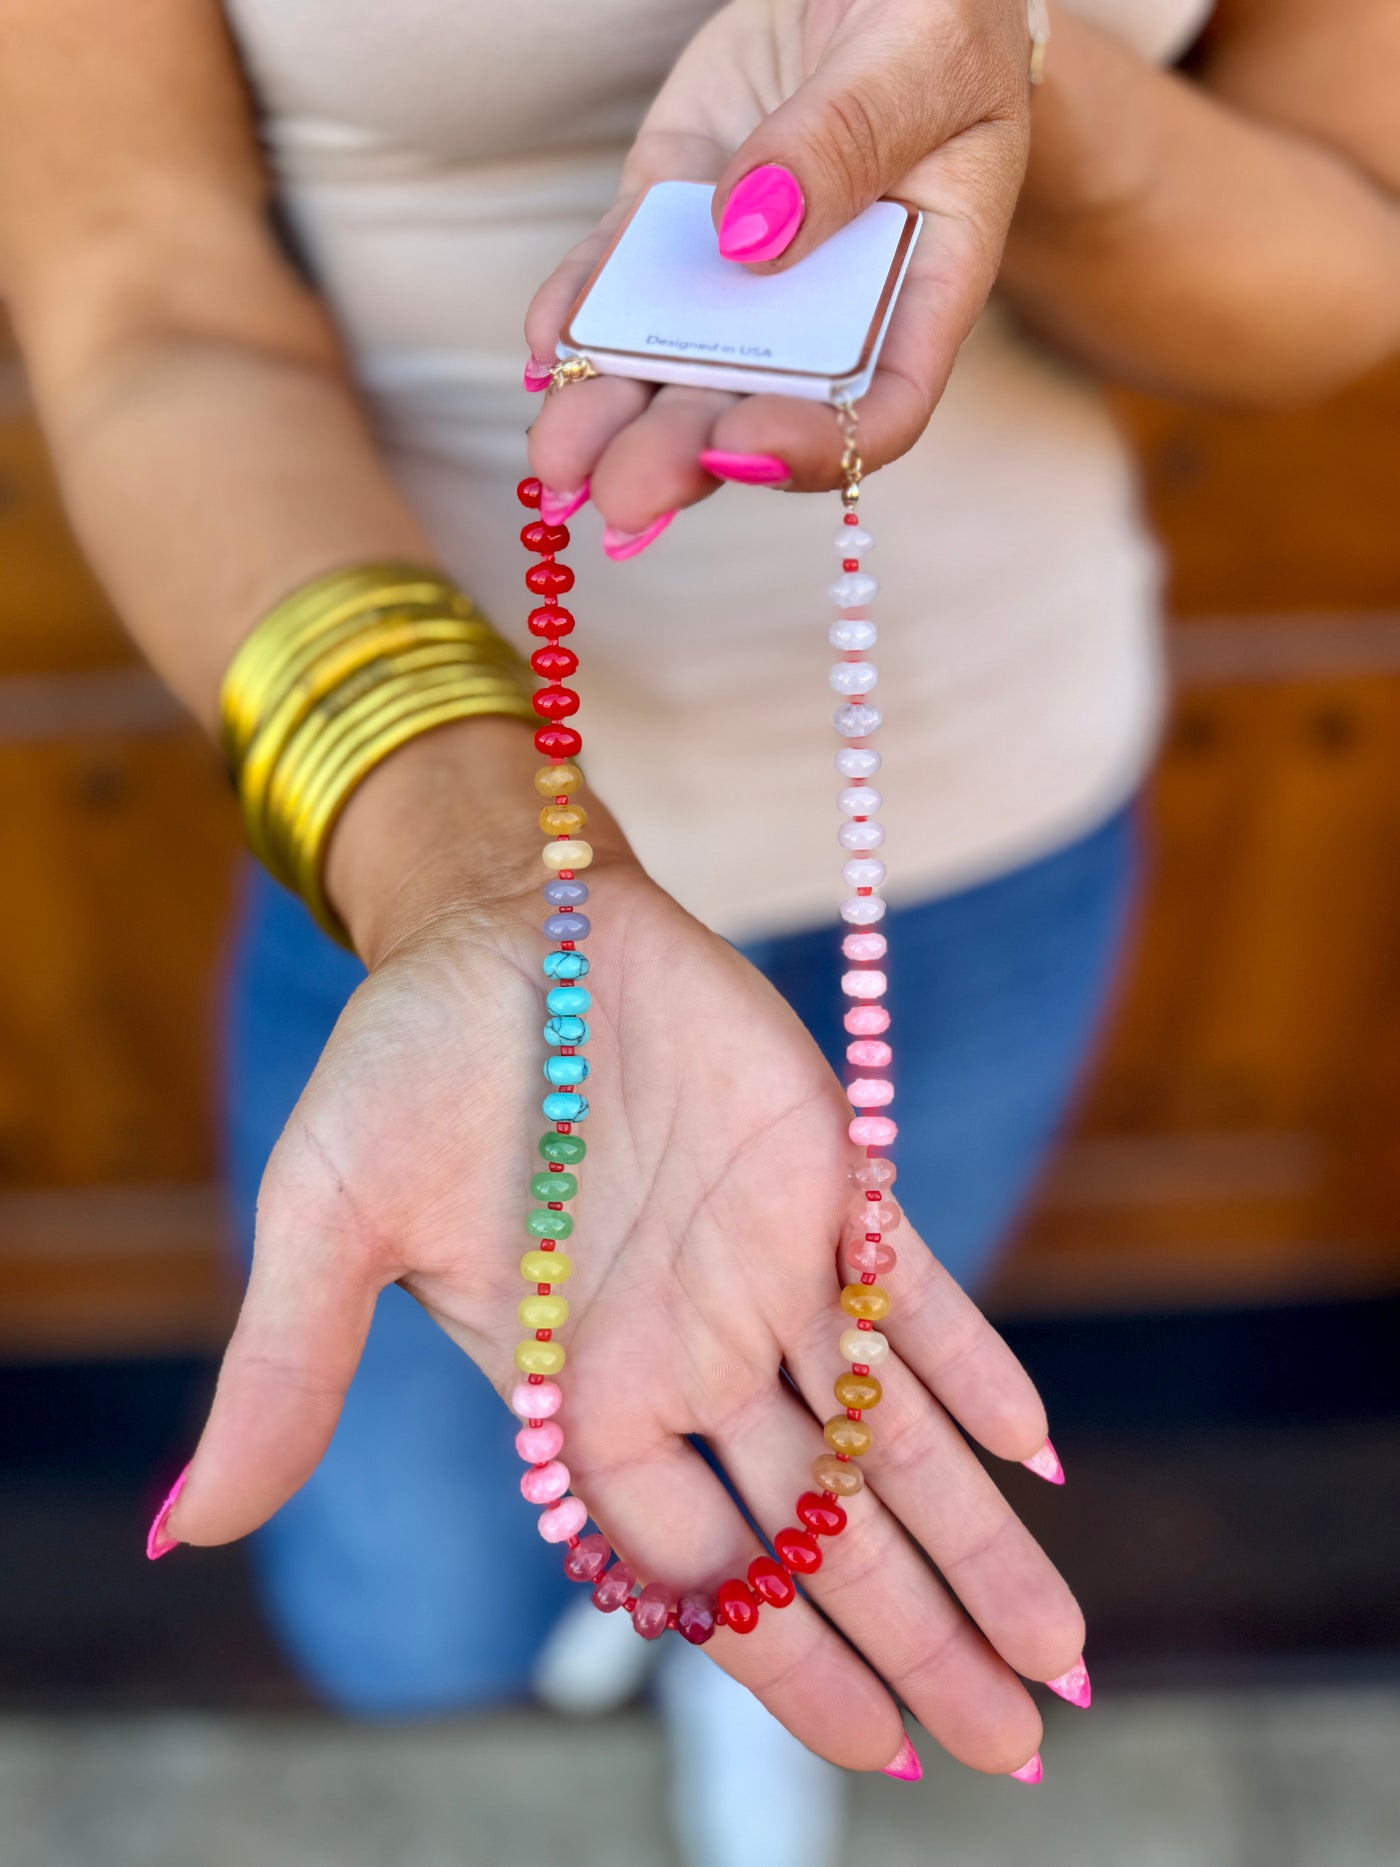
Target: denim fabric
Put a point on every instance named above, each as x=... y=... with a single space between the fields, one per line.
x=407 y=1576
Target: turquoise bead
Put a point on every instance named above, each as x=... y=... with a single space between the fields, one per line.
x=566 y=1148
x=544 y=1224
x=566 y=1031
x=562 y=1071
x=568 y=1000
x=562 y=1106
x=553 y=1185
x=565 y=965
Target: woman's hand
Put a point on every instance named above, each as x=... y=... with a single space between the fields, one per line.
x=712 y=1201
x=924 y=99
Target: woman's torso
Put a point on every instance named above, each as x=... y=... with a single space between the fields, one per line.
x=435 y=160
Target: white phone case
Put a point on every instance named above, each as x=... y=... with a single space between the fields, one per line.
x=662 y=304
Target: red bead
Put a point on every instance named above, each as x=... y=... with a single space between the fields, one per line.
x=695 y=1618
x=537 y=536
x=553 y=663
x=846 y=563
x=550 y=620
x=558 y=742
x=587 y=1558
x=548 y=578
x=612 y=1590
x=771 y=1582
x=821 y=1515
x=797 y=1550
x=528 y=492
x=737 y=1607
x=554 y=703
x=851 y=518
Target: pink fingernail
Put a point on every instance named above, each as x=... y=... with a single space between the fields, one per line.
x=751 y=469
x=904 y=1764
x=1074 y=1685
x=1045 y=1465
x=619 y=545
x=158 y=1544
x=762 y=215
x=1029 y=1772
x=555 y=507
x=536 y=376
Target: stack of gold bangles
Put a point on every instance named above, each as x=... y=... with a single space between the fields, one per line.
x=343 y=672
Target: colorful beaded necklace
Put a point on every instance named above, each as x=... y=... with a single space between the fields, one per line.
x=770 y=1580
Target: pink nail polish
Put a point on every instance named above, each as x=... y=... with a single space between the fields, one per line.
x=1029 y=1772
x=555 y=506
x=1073 y=1686
x=620 y=545
x=762 y=215
x=904 y=1764
x=536 y=375
x=158 y=1544
x=750 y=469
x=1046 y=1465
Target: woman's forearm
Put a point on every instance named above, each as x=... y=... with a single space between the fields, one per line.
x=1170 y=240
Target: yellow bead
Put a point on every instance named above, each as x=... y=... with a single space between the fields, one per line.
x=562 y=819
x=869 y=1300
x=533 y=1357
x=555 y=780
x=852 y=1390
x=850 y=1436
x=832 y=1474
x=539 y=1312
x=546 y=1267
x=571 y=855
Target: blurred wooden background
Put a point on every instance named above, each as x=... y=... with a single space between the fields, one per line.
x=1237 y=1141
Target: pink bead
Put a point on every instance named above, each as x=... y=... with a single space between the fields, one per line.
x=867 y=1053
x=882 y=1218
x=538 y=1444
x=864 y=946
x=867 y=1020
x=588 y=1559
x=865 y=984
x=543 y=1485
x=868 y=1173
x=535 y=1403
x=864 y=1256
x=872 y=1130
x=613 y=1588
x=653 y=1608
x=870 y=1092
x=558 y=1522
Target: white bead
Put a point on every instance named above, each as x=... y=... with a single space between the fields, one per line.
x=852 y=677
x=853 y=632
x=863 y=872
x=863 y=910
x=858 y=800
x=857 y=762
x=867 y=1346
x=853 y=588
x=852 y=541
x=860 y=835
x=855 y=722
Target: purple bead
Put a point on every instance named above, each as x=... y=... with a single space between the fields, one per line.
x=588 y=1558
x=567 y=927
x=652 y=1611
x=566 y=894
x=613 y=1588
x=695 y=1617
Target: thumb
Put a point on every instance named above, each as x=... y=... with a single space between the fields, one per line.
x=893 y=84
x=284 y=1378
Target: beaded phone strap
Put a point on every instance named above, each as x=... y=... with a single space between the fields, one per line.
x=770 y=1580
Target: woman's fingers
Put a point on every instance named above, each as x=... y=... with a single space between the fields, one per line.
x=653 y=464
x=669 y=1515
x=877 y=1587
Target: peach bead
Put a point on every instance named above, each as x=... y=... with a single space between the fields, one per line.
x=832 y=1474
x=865 y=946
x=870 y=1092
x=853 y=1437
x=872 y=1130
x=542 y=1486
x=867 y=1020
x=869 y=1302
x=555 y=780
x=558 y=1522
x=869 y=1053
x=866 y=1346
x=536 y=1401
x=877 y=1258
x=537 y=1445
x=865 y=984
x=859 y=1391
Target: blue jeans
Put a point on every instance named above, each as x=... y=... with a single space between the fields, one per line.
x=407 y=1577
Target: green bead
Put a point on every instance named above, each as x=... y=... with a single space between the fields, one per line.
x=553 y=1186
x=549 y=1224
x=569 y=1149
